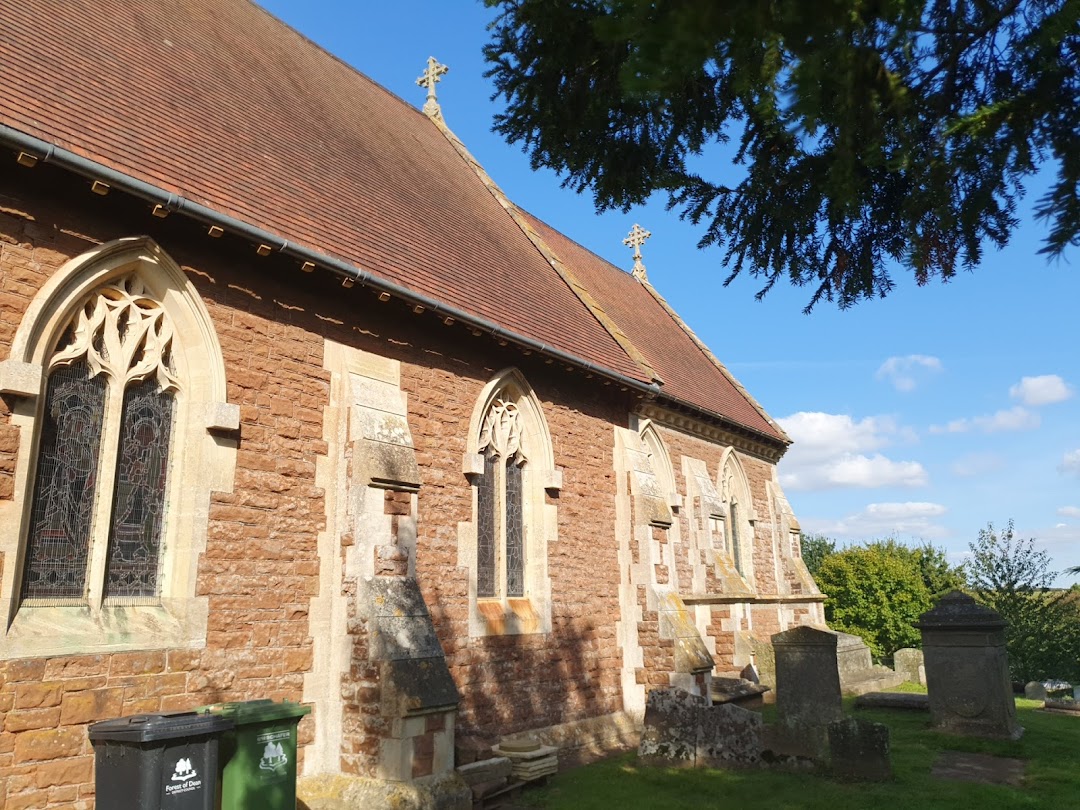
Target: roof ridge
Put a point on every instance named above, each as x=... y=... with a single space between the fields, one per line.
x=561 y=268
x=713 y=358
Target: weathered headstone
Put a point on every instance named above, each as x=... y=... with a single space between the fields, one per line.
x=807 y=678
x=807 y=689
x=1033 y=690
x=671 y=727
x=858 y=672
x=967 y=669
x=730 y=737
x=681 y=729
x=908 y=663
x=1068 y=707
x=859 y=749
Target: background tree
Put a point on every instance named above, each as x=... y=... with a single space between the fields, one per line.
x=815 y=548
x=877 y=592
x=1011 y=576
x=938 y=575
x=864 y=133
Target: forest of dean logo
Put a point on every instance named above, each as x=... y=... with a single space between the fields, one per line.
x=273 y=757
x=183 y=771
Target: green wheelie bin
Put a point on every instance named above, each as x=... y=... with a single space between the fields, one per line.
x=259 y=754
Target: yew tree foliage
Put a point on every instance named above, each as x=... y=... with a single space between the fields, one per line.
x=866 y=132
x=1011 y=576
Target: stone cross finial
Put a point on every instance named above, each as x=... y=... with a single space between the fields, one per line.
x=635 y=239
x=429 y=78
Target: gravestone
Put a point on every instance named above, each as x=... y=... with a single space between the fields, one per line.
x=738 y=691
x=730 y=737
x=669 y=736
x=682 y=729
x=908 y=701
x=967 y=669
x=807 y=677
x=807 y=690
x=908 y=663
x=859 y=749
x=1033 y=690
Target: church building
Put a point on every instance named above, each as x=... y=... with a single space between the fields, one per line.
x=296 y=404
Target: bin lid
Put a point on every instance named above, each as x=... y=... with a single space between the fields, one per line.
x=150 y=727
x=247 y=712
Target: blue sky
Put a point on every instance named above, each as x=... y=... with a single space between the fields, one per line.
x=921 y=416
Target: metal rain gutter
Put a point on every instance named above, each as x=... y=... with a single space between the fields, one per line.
x=50 y=153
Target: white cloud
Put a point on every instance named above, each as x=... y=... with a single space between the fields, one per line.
x=1015 y=418
x=834 y=450
x=1043 y=390
x=977 y=464
x=906 y=372
x=822 y=435
x=910 y=518
x=1070 y=462
x=1069 y=511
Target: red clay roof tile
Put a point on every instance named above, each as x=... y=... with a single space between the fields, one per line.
x=689 y=375
x=221 y=103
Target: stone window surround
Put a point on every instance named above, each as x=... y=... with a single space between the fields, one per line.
x=735 y=489
x=502 y=615
x=202 y=460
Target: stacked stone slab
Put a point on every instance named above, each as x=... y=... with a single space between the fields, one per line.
x=858 y=672
x=529 y=759
x=967 y=669
x=487 y=776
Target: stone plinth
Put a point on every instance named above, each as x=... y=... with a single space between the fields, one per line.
x=967 y=669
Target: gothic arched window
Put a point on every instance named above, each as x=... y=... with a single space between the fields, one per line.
x=510 y=465
x=738 y=528
x=500 y=526
x=124 y=431
x=102 y=464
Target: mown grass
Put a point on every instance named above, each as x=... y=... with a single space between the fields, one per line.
x=1050 y=748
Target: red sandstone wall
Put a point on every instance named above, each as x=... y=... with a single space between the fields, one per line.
x=260 y=567
x=516 y=682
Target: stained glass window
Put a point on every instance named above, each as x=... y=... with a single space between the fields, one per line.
x=117 y=349
x=735 y=549
x=515 y=545
x=485 y=529
x=62 y=508
x=139 y=500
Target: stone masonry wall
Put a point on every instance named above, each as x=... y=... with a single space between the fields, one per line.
x=724 y=621
x=515 y=682
x=260 y=567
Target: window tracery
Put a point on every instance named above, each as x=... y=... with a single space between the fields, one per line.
x=105 y=442
x=500 y=519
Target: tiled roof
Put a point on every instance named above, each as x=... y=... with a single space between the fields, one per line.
x=690 y=375
x=219 y=102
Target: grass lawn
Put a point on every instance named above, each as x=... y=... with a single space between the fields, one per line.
x=1050 y=747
